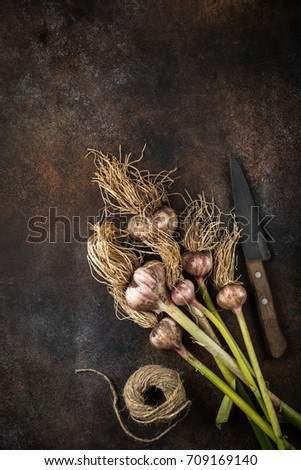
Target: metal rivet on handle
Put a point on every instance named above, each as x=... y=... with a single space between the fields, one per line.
x=264 y=301
x=258 y=274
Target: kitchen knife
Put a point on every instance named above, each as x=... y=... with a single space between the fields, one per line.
x=256 y=250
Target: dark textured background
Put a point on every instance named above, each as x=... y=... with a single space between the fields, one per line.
x=195 y=81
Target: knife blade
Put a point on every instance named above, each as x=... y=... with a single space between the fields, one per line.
x=256 y=251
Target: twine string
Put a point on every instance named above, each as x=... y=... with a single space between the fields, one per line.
x=166 y=380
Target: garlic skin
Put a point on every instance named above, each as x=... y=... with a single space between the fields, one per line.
x=147 y=288
x=139 y=227
x=165 y=220
x=232 y=297
x=183 y=293
x=167 y=334
x=197 y=263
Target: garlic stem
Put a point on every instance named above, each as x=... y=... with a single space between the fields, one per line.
x=227 y=390
x=261 y=382
x=174 y=312
x=211 y=307
x=236 y=353
x=206 y=296
x=167 y=334
x=287 y=411
x=206 y=327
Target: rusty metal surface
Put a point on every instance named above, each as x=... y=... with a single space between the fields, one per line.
x=195 y=81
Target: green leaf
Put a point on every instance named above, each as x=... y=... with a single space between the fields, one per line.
x=223 y=412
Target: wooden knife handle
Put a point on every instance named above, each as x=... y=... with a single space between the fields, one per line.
x=274 y=339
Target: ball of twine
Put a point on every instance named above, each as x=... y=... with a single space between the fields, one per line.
x=159 y=378
x=169 y=410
